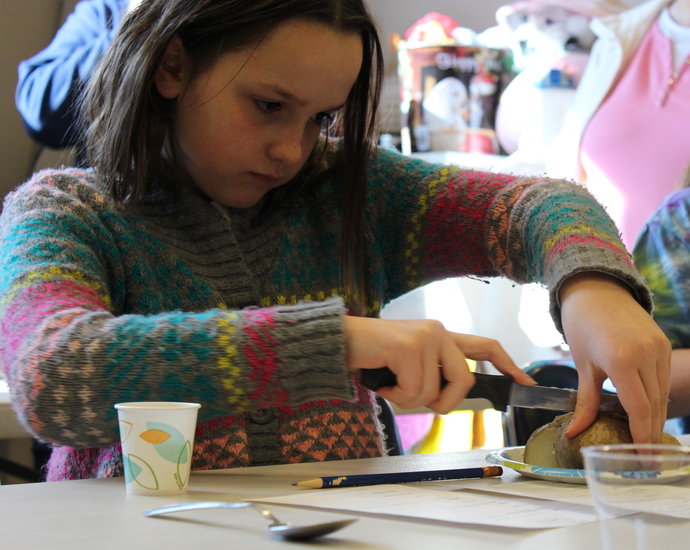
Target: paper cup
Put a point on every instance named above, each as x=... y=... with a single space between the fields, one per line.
x=157 y=441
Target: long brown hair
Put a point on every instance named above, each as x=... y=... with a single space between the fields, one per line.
x=129 y=126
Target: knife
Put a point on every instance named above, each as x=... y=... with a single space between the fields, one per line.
x=501 y=391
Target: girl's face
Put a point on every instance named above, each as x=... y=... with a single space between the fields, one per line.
x=248 y=124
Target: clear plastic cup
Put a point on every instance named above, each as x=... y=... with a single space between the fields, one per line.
x=640 y=492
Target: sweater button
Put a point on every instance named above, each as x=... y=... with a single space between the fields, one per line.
x=261 y=416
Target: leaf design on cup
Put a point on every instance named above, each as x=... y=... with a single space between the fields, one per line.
x=183 y=474
x=125 y=430
x=139 y=471
x=155 y=436
x=169 y=448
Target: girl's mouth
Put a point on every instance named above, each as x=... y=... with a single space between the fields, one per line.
x=265 y=179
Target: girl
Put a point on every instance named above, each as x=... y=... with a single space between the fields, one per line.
x=238 y=235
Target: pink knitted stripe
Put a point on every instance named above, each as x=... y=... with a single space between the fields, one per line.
x=67 y=463
x=34 y=304
x=260 y=351
x=468 y=216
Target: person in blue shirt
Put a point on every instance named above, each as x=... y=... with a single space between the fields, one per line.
x=662 y=254
x=49 y=82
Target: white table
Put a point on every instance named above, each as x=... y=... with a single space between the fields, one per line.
x=99 y=514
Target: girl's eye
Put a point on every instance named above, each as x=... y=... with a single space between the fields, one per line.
x=324 y=120
x=268 y=106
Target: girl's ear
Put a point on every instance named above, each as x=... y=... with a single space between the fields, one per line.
x=170 y=74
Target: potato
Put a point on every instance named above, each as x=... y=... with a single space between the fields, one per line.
x=607 y=429
x=539 y=446
x=549 y=447
x=668 y=439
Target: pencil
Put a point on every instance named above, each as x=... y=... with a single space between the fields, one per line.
x=399 y=477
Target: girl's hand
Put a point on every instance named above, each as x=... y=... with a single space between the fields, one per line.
x=419 y=352
x=611 y=335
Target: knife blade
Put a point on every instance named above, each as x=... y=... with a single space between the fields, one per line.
x=501 y=391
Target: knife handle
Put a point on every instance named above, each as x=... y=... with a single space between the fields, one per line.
x=495 y=388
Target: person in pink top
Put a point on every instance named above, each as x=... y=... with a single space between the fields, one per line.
x=626 y=136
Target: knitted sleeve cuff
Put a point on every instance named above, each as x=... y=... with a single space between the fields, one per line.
x=311 y=345
x=622 y=272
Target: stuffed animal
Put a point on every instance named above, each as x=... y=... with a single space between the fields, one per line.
x=550 y=41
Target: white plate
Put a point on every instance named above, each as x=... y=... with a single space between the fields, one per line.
x=512 y=457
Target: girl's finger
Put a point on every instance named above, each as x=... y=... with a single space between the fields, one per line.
x=454 y=368
x=479 y=348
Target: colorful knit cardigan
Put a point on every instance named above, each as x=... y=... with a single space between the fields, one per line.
x=178 y=299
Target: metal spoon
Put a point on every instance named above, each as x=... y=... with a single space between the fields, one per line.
x=275 y=526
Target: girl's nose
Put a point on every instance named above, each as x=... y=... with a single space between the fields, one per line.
x=288 y=146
